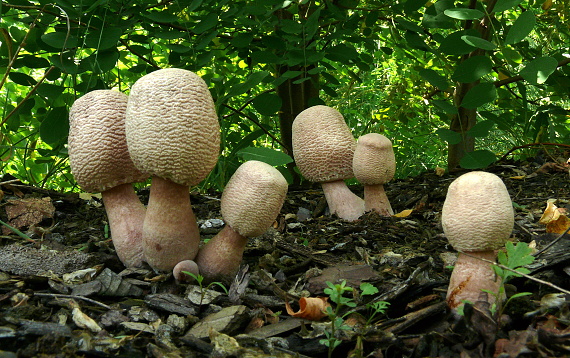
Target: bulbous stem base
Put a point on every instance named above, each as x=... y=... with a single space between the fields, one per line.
x=342 y=201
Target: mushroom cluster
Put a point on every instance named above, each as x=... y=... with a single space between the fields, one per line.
x=326 y=152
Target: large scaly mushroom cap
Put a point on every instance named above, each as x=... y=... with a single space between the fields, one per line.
x=323 y=145
x=477 y=214
x=172 y=127
x=98 y=154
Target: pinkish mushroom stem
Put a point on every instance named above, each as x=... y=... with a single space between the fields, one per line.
x=126 y=216
x=375 y=198
x=224 y=253
x=169 y=236
x=470 y=275
x=342 y=201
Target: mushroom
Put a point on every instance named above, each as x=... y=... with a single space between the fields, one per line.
x=172 y=133
x=477 y=218
x=100 y=162
x=374 y=165
x=250 y=203
x=323 y=147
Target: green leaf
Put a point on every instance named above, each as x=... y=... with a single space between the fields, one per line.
x=366 y=288
x=55 y=126
x=445 y=106
x=538 y=70
x=206 y=23
x=477 y=159
x=267 y=104
x=251 y=81
x=50 y=91
x=473 y=69
x=464 y=14
x=267 y=56
x=448 y=135
x=503 y=5
x=104 y=39
x=161 y=16
x=479 y=95
x=512 y=55
x=267 y=155
x=434 y=78
x=481 y=128
x=242 y=40
x=22 y=78
x=60 y=40
x=521 y=28
x=478 y=42
x=453 y=44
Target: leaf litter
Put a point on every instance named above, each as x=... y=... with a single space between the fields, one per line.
x=101 y=309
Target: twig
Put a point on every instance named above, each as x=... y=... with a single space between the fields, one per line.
x=552 y=243
x=533 y=145
x=519 y=273
x=60 y=295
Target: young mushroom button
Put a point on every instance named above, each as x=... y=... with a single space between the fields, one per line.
x=323 y=147
x=250 y=203
x=374 y=165
x=477 y=219
x=172 y=133
x=100 y=162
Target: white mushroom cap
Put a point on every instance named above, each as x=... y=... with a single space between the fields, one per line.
x=374 y=161
x=477 y=214
x=323 y=145
x=98 y=154
x=253 y=198
x=172 y=127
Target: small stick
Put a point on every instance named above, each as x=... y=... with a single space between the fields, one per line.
x=60 y=295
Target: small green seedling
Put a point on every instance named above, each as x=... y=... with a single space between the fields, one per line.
x=200 y=280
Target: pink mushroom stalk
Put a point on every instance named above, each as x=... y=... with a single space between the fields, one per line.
x=477 y=218
x=323 y=147
x=250 y=203
x=374 y=165
x=100 y=162
x=172 y=133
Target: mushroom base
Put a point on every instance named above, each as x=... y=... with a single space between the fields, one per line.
x=126 y=216
x=342 y=201
x=219 y=259
x=375 y=198
x=470 y=276
x=170 y=231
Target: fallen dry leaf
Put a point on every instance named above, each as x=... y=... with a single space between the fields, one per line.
x=311 y=308
x=554 y=218
x=439 y=171
x=27 y=212
x=403 y=213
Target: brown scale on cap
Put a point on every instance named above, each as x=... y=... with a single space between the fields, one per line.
x=172 y=133
x=323 y=147
x=100 y=162
x=250 y=203
x=477 y=219
x=374 y=165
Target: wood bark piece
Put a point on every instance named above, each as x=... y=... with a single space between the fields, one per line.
x=170 y=303
x=229 y=320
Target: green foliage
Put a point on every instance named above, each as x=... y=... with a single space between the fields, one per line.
x=406 y=69
x=204 y=288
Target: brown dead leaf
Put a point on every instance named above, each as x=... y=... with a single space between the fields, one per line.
x=439 y=171
x=28 y=211
x=555 y=218
x=311 y=308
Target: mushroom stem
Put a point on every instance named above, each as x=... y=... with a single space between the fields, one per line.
x=219 y=258
x=342 y=201
x=170 y=231
x=470 y=275
x=126 y=215
x=375 y=198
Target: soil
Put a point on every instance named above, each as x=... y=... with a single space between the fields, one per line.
x=64 y=293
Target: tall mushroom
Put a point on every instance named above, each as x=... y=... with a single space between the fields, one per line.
x=323 y=147
x=100 y=162
x=374 y=165
x=250 y=203
x=477 y=218
x=172 y=133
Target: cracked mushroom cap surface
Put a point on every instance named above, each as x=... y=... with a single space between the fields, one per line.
x=172 y=127
x=98 y=153
x=374 y=161
x=477 y=214
x=323 y=145
x=253 y=198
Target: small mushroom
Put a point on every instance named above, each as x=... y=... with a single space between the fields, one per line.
x=250 y=203
x=172 y=133
x=477 y=219
x=374 y=165
x=323 y=147
x=100 y=162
